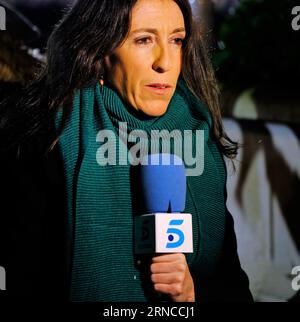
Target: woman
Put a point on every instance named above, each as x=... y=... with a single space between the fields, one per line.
x=139 y=62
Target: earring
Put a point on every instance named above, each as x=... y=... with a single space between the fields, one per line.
x=101 y=80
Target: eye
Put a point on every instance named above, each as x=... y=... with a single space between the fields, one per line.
x=143 y=41
x=179 y=41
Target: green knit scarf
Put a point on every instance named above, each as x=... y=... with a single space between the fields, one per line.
x=101 y=202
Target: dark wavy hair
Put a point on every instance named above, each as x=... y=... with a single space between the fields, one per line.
x=76 y=49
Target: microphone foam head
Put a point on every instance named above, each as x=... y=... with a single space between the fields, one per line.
x=163 y=183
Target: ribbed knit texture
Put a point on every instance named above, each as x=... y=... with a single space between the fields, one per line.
x=101 y=202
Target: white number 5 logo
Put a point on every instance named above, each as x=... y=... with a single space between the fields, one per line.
x=177 y=232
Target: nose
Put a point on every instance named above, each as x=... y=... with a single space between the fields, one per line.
x=162 y=58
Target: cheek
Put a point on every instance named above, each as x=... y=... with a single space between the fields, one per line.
x=180 y=62
x=135 y=70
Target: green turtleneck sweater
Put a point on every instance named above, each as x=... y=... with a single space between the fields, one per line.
x=101 y=202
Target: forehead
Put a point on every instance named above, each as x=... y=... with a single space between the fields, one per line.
x=150 y=13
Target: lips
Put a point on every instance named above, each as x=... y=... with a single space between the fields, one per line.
x=159 y=88
x=160 y=85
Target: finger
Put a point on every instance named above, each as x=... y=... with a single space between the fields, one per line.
x=167 y=278
x=171 y=289
x=161 y=268
x=172 y=267
x=168 y=258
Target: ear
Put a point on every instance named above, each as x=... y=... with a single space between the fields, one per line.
x=107 y=62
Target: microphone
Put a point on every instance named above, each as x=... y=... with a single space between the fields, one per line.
x=163 y=228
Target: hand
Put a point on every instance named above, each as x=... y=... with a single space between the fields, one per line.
x=171 y=275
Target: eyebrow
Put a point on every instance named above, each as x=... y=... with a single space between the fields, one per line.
x=154 y=31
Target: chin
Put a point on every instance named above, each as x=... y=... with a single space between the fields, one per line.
x=159 y=111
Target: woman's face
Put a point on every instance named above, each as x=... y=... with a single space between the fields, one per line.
x=146 y=67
